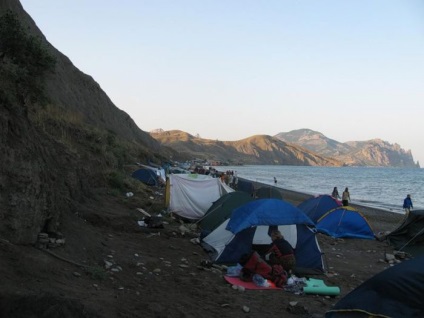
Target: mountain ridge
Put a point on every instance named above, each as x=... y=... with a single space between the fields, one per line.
x=297 y=147
x=258 y=149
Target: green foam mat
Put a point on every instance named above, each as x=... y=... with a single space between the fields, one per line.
x=318 y=287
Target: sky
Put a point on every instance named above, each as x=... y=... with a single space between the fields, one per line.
x=227 y=70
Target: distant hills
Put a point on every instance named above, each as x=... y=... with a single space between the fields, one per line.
x=298 y=147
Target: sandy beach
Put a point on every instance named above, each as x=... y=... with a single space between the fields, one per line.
x=111 y=267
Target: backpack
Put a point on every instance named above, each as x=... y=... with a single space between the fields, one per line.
x=254 y=264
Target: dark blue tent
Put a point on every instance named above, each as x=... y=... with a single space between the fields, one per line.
x=146 y=175
x=249 y=227
x=409 y=236
x=316 y=207
x=396 y=292
x=345 y=221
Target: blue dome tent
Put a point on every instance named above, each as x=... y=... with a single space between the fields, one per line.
x=316 y=207
x=249 y=227
x=345 y=222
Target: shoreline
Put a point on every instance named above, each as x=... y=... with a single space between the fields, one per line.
x=381 y=188
x=379 y=219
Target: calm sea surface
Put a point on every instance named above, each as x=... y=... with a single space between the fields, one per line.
x=383 y=188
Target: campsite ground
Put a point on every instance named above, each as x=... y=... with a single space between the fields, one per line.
x=158 y=272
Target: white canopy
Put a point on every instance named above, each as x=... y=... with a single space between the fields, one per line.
x=191 y=195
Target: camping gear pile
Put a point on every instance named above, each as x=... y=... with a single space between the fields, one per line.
x=254 y=266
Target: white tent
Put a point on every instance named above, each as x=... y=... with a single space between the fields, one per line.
x=191 y=195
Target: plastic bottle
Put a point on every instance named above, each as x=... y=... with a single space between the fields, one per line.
x=234 y=270
x=260 y=281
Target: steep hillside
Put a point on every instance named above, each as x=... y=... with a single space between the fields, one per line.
x=260 y=149
x=61 y=137
x=375 y=152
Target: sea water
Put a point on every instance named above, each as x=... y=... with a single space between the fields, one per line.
x=383 y=188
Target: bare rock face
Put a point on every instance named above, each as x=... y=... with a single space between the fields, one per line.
x=377 y=152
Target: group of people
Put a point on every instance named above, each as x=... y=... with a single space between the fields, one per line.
x=407 y=202
x=345 y=196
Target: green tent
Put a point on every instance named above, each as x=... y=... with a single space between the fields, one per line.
x=221 y=209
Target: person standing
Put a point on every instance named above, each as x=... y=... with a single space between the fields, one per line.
x=275 y=180
x=335 y=193
x=407 y=204
x=345 y=197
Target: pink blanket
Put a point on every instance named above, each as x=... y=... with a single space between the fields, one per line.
x=248 y=285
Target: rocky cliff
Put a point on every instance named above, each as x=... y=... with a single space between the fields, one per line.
x=374 y=152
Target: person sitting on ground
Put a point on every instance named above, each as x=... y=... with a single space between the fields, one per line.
x=280 y=252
